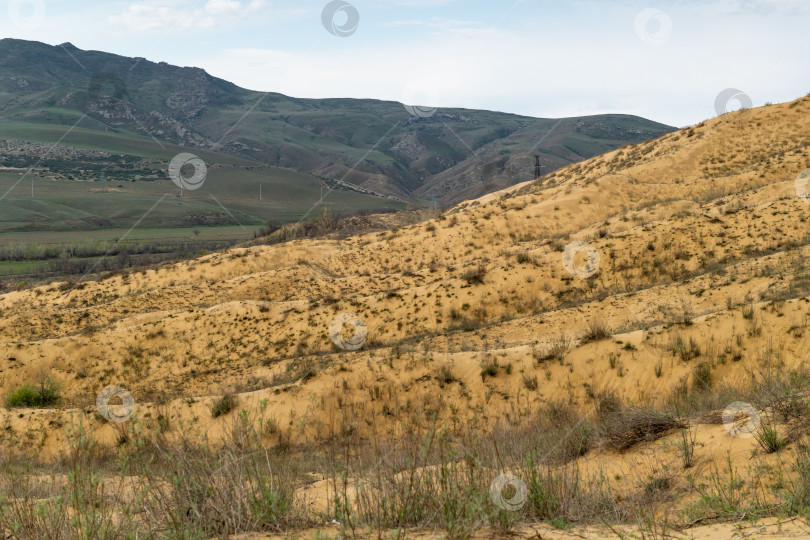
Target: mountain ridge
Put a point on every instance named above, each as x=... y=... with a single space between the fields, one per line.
x=443 y=155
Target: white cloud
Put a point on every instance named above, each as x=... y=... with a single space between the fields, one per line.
x=183 y=15
x=143 y=17
x=420 y=3
x=218 y=7
x=434 y=22
x=764 y=7
x=527 y=73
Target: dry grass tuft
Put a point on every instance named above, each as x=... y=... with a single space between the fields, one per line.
x=630 y=426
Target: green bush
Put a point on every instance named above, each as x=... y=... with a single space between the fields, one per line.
x=29 y=395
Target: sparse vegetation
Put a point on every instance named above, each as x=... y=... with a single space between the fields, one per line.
x=531 y=383
x=475 y=275
x=555 y=350
x=597 y=331
x=445 y=375
x=683 y=350
x=223 y=405
x=769 y=438
x=489 y=368
x=748 y=312
x=701 y=301
x=687 y=445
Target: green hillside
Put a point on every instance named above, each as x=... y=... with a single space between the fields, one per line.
x=137 y=107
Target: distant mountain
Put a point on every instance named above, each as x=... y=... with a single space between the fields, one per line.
x=451 y=155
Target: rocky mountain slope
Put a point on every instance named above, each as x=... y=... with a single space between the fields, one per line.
x=446 y=154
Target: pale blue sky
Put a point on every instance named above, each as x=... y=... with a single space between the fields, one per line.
x=665 y=60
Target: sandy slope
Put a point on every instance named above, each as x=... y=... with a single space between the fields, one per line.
x=691 y=230
x=768 y=528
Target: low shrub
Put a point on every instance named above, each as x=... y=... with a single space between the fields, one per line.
x=627 y=427
x=475 y=275
x=597 y=331
x=225 y=405
x=45 y=394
